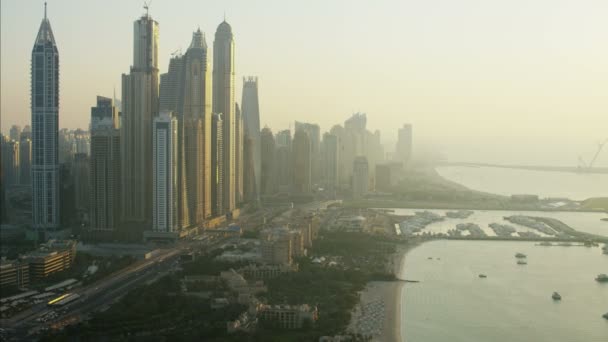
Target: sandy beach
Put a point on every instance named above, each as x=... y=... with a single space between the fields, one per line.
x=378 y=314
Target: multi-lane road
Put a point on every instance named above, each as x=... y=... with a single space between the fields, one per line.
x=99 y=295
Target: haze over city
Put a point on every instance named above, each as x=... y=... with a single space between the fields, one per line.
x=338 y=171
x=501 y=82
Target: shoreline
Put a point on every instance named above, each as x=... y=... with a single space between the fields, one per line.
x=378 y=313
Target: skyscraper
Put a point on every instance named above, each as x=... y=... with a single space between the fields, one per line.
x=330 y=161
x=164 y=173
x=403 y=150
x=360 y=177
x=45 y=128
x=268 y=175
x=284 y=160
x=223 y=102
x=25 y=161
x=251 y=120
x=238 y=141
x=10 y=162
x=314 y=136
x=106 y=206
x=15 y=133
x=195 y=115
x=301 y=162
x=217 y=166
x=140 y=105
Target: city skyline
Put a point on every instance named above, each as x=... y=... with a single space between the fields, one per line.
x=511 y=86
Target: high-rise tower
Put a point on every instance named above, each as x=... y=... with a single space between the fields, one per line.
x=139 y=107
x=45 y=130
x=251 y=122
x=195 y=115
x=223 y=102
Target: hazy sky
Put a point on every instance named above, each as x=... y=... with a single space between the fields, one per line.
x=500 y=81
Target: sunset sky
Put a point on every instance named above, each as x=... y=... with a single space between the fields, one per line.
x=501 y=81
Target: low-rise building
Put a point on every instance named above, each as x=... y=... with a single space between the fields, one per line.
x=14 y=273
x=287 y=316
x=266 y=271
x=54 y=256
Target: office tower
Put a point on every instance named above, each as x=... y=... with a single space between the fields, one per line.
x=45 y=127
x=105 y=165
x=343 y=173
x=360 y=177
x=314 y=135
x=268 y=171
x=105 y=113
x=80 y=173
x=249 y=186
x=139 y=106
x=26 y=133
x=10 y=162
x=284 y=160
x=171 y=99
x=403 y=150
x=330 y=161
x=223 y=102
x=164 y=160
x=66 y=146
x=251 y=120
x=25 y=160
x=195 y=115
x=172 y=84
x=239 y=138
x=82 y=143
x=301 y=162
x=15 y=133
x=217 y=165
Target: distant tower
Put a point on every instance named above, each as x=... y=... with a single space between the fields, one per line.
x=105 y=208
x=403 y=150
x=301 y=162
x=314 y=136
x=139 y=107
x=165 y=173
x=195 y=115
x=251 y=120
x=25 y=160
x=217 y=167
x=284 y=159
x=45 y=128
x=15 y=133
x=239 y=159
x=330 y=161
x=360 y=177
x=224 y=103
x=268 y=174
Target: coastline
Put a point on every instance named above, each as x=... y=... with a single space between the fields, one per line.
x=378 y=313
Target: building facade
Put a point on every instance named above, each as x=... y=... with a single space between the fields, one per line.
x=165 y=173
x=139 y=107
x=217 y=165
x=224 y=103
x=301 y=163
x=105 y=167
x=403 y=150
x=251 y=121
x=45 y=128
x=360 y=177
x=268 y=167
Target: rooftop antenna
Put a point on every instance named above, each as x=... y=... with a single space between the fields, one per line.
x=114 y=95
x=45 y=10
x=147 y=6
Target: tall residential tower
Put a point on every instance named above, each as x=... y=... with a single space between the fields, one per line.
x=223 y=102
x=45 y=130
x=139 y=107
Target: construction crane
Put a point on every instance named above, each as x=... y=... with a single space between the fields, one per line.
x=581 y=162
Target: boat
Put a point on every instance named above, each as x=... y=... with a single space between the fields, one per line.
x=520 y=255
x=545 y=243
x=483 y=276
x=556 y=296
x=521 y=262
x=602 y=278
x=605 y=315
x=430 y=258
